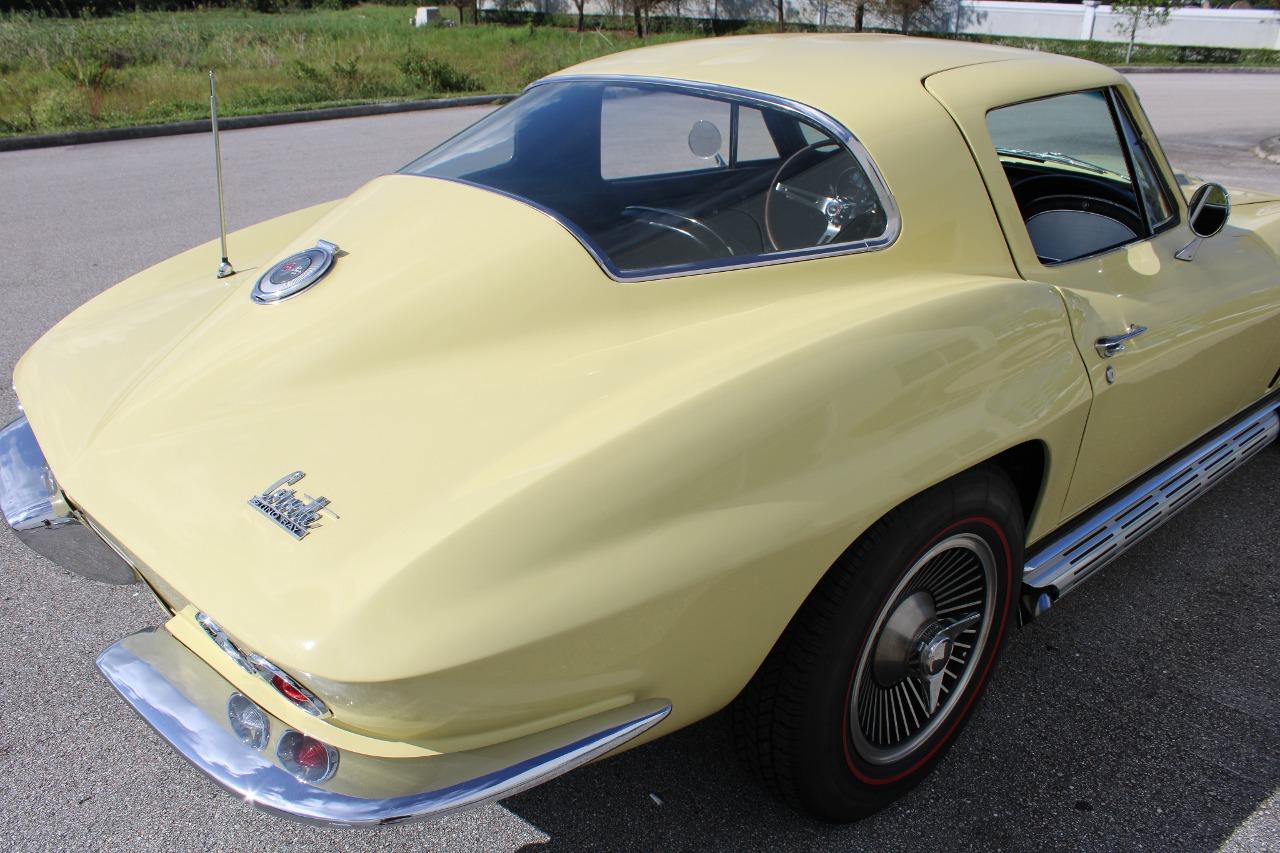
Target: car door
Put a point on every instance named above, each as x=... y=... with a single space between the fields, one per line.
x=1173 y=348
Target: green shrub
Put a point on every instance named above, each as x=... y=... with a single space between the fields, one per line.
x=347 y=80
x=90 y=72
x=174 y=110
x=428 y=74
x=263 y=98
x=313 y=82
x=61 y=109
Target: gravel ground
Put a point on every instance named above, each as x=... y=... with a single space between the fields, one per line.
x=1140 y=714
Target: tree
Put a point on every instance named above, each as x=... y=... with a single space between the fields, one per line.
x=1136 y=14
x=782 y=20
x=857 y=7
x=906 y=14
x=462 y=5
x=641 y=9
x=581 y=5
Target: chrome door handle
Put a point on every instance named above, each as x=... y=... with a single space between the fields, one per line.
x=1114 y=344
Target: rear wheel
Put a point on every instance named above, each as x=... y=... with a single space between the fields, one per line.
x=882 y=665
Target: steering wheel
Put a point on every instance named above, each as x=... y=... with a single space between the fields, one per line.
x=843 y=200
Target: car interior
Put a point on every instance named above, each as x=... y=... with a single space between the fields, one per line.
x=703 y=194
x=1069 y=161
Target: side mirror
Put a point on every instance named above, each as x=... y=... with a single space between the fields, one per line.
x=705 y=141
x=1208 y=211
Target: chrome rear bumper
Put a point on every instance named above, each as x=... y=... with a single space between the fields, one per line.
x=34 y=506
x=185 y=700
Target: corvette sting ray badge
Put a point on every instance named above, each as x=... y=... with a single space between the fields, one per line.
x=297 y=515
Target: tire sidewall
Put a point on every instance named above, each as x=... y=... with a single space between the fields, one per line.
x=979 y=503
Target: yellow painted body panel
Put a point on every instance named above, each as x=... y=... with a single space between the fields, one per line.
x=1212 y=323
x=556 y=493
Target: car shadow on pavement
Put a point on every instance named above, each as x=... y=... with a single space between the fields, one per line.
x=1139 y=713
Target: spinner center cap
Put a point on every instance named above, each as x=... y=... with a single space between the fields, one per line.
x=935 y=654
x=294 y=274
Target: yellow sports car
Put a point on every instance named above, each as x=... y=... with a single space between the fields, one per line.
x=786 y=372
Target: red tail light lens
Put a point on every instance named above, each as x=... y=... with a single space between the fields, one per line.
x=306 y=758
x=284 y=684
x=290 y=692
x=312 y=755
x=288 y=687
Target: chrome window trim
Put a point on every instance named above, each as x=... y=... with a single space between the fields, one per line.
x=1112 y=97
x=1127 y=124
x=893 y=218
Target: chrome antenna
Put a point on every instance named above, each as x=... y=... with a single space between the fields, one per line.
x=224 y=269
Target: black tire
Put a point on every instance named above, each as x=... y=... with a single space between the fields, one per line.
x=794 y=723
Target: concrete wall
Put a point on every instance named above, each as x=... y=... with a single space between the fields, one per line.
x=1240 y=28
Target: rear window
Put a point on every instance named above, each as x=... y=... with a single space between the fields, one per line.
x=659 y=179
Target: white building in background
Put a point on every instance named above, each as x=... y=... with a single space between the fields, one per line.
x=426 y=16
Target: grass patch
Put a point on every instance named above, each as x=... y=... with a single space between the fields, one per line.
x=59 y=74
x=144 y=67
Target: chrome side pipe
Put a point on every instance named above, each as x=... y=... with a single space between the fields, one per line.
x=224 y=269
x=1101 y=535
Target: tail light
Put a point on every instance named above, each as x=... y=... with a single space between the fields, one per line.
x=306 y=758
x=249 y=722
x=288 y=687
x=284 y=684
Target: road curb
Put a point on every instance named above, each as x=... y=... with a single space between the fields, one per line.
x=145 y=131
x=1269 y=149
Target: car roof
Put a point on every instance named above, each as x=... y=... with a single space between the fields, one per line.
x=854 y=77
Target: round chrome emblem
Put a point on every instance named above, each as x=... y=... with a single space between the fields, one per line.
x=294 y=274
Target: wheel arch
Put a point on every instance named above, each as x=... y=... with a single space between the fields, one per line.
x=1026 y=466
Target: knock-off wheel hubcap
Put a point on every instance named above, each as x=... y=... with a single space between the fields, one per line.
x=933 y=656
x=926 y=641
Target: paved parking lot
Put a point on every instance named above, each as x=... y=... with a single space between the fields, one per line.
x=1140 y=714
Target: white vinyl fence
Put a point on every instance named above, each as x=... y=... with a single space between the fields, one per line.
x=1237 y=28
x=1090 y=20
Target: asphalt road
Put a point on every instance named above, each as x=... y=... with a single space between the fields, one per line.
x=1140 y=714
x=1210 y=123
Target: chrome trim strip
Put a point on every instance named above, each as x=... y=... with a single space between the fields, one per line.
x=183 y=699
x=33 y=505
x=893 y=218
x=1107 y=532
x=267 y=671
x=255 y=664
